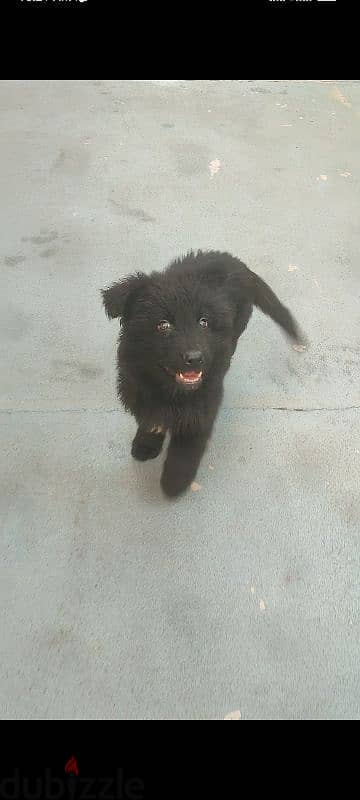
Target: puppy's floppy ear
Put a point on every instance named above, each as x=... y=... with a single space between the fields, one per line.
x=119 y=297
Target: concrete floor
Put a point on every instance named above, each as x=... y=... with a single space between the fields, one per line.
x=241 y=596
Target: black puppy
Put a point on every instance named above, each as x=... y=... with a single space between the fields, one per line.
x=179 y=331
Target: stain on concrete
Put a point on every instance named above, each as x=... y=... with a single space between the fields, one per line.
x=136 y=213
x=44 y=238
x=51 y=251
x=191 y=158
x=14 y=324
x=73 y=162
x=58 y=638
x=74 y=370
x=13 y=261
x=340 y=97
x=233 y=715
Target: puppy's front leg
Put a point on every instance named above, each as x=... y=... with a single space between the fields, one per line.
x=147 y=443
x=182 y=461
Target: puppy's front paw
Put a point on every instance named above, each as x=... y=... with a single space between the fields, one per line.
x=147 y=445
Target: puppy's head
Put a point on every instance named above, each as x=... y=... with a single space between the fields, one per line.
x=176 y=331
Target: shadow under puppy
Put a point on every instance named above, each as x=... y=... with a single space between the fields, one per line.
x=179 y=330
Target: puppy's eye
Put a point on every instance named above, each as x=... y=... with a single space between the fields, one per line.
x=164 y=325
x=203 y=322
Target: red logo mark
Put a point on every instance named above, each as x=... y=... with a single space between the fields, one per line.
x=71 y=766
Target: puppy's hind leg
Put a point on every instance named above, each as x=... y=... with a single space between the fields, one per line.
x=147 y=443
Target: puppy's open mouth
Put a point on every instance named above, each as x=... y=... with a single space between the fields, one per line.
x=188 y=378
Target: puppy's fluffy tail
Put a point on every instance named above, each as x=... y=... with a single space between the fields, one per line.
x=264 y=298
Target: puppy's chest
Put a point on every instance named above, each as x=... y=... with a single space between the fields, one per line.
x=181 y=419
x=182 y=415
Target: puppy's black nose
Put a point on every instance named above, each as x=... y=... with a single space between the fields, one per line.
x=194 y=358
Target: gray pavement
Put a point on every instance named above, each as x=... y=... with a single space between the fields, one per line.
x=242 y=595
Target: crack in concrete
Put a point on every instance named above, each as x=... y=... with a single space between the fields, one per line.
x=224 y=408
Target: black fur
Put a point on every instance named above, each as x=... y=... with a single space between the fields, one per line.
x=210 y=286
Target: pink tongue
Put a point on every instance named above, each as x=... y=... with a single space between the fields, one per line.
x=191 y=375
